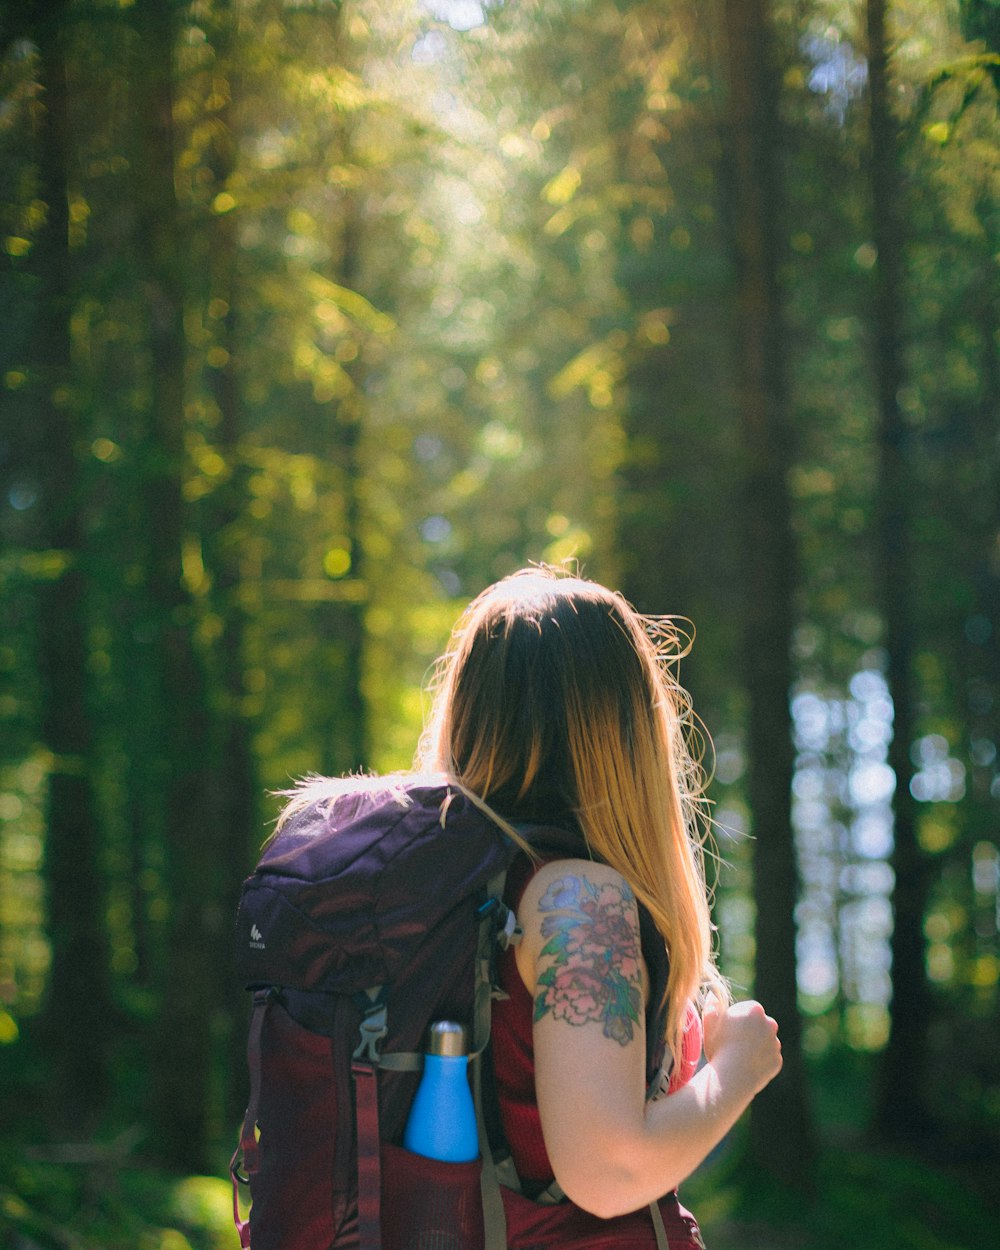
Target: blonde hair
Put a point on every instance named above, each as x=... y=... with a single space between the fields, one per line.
x=556 y=699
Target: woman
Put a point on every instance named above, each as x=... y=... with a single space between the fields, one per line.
x=556 y=705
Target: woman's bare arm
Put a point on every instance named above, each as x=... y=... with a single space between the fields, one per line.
x=581 y=962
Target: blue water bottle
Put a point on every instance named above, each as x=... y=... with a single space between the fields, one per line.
x=442 y=1123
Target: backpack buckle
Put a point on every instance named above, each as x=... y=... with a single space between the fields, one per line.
x=508 y=931
x=374 y=1027
x=511 y=933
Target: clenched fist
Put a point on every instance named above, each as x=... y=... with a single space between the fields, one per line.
x=743 y=1041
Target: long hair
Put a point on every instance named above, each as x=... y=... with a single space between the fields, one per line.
x=557 y=700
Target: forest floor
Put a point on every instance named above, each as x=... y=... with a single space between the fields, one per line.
x=104 y=1193
x=862 y=1198
x=95 y=1199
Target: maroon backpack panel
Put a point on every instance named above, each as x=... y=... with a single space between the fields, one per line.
x=371 y=891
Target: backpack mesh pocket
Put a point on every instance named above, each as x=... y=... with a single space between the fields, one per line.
x=429 y=1205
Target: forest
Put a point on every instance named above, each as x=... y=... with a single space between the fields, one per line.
x=317 y=316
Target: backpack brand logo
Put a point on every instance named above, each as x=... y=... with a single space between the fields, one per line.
x=256 y=939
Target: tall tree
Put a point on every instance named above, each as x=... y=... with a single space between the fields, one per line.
x=223 y=515
x=195 y=843
x=905 y=1057
x=679 y=550
x=78 y=1020
x=781 y=1122
x=345 y=742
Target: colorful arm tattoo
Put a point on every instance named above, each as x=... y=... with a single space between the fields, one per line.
x=595 y=971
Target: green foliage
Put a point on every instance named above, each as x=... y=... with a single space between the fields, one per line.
x=454 y=300
x=898 y=1202
x=889 y=1199
x=108 y=1203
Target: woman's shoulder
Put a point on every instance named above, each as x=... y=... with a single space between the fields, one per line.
x=574 y=873
x=580 y=916
x=580 y=888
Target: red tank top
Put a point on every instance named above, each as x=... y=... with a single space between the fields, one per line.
x=514 y=1058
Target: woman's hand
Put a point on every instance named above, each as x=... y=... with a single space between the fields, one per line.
x=742 y=1041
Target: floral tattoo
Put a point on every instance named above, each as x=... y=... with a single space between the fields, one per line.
x=593 y=944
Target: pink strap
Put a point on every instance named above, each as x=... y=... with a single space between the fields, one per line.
x=690 y=1050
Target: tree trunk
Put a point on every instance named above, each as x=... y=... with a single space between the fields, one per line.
x=77 y=1018
x=225 y=517
x=901 y=1098
x=344 y=746
x=195 y=847
x=781 y=1123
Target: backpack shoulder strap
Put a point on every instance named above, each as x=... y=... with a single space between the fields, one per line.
x=247 y=1152
x=497 y=930
x=363 y=1074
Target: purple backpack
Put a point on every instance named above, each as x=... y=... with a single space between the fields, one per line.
x=368 y=918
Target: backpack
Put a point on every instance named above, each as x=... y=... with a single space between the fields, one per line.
x=366 y=919
x=369 y=917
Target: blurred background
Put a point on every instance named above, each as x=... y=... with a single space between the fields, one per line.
x=316 y=318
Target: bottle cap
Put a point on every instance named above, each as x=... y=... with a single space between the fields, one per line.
x=447 y=1038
